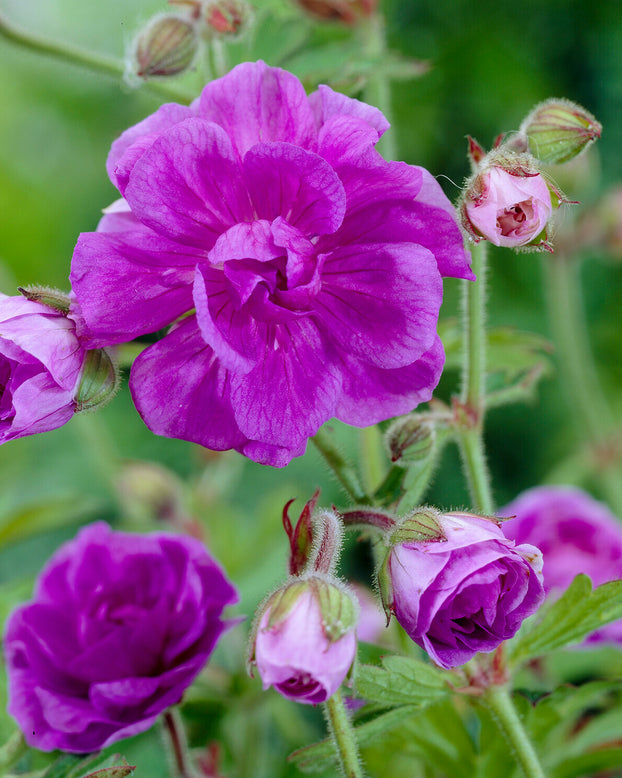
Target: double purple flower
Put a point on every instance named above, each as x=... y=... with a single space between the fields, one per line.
x=301 y=271
x=119 y=626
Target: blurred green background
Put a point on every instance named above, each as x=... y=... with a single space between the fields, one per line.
x=490 y=63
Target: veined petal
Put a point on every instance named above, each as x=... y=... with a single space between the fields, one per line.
x=326 y=104
x=371 y=394
x=187 y=185
x=255 y=103
x=129 y=284
x=381 y=302
x=293 y=389
x=285 y=180
x=132 y=144
x=182 y=391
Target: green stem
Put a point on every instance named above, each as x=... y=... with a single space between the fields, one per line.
x=577 y=365
x=377 y=91
x=343 y=736
x=500 y=703
x=98 y=63
x=178 y=745
x=343 y=470
x=470 y=436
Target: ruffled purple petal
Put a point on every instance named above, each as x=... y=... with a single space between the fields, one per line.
x=284 y=180
x=133 y=143
x=327 y=104
x=187 y=185
x=130 y=284
x=255 y=103
x=381 y=302
x=370 y=394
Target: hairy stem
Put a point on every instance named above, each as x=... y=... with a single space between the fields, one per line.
x=499 y=701
x=343 y=736
x=178 y=746
x=378 y=88
x=97 y=63
x=343 y=470
x=473 y=396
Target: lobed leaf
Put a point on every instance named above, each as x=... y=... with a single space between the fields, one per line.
x=402 y=681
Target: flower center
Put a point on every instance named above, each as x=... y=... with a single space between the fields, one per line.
x=517 y=219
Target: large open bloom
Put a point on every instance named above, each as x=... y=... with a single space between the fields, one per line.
x=119 y=626
x=300 y=270
x=576 y=534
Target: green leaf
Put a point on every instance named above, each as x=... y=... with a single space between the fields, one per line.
x=588 y=765
x=44 y=516
x=579 y=611
x=402 y=681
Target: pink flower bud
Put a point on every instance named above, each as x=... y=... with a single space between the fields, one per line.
x=305 y=640
x=344 y=11
x=508 y=207
x=167 y=46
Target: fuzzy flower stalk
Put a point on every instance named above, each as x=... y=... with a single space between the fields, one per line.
x=297 y=273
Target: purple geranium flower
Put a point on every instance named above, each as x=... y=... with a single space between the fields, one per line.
x=41 y=362
x=119 y=626
x=576 y=534
x=464 y=592
x=301 y=271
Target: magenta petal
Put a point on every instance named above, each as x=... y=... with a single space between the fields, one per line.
x=284 y=180
x=255 y=103
x=130 y=283
x=381 y=302
x=371 y=395
x=133 y=143
x=345 y=141
x=182 y=372
x=326 y=104
x=292 y=392
x=187 y=185
x=233 y=334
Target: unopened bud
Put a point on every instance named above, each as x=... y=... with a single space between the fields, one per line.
x=558 y=130
x=53 y=298
x=226 y=17
x=99 y=382
x=166 y=47
x=344 y=11
x=410 y=439
x=149 y=491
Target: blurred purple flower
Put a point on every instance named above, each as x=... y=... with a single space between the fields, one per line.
x=309 y=266
x=294 y=651
x=119 y=626
x=465 y=593
x=41 y=361
x=576 y=534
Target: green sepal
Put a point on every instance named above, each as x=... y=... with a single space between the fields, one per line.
x=385 y=587
x=337 y=608
x=282 y=602
x=421 y=526
x=53 y=298
x=99 y=382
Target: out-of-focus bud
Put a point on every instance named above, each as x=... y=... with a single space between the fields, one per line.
x=344 y=11
x=508 y=202
x=304 y=639
x=226 y=17
x=99 y=381
x=558 y=130
x=150 y=491
x=410 y=439
x=167 y=46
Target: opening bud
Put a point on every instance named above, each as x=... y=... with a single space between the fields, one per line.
x=166 y=47
x=304 y=640
x=410 y=439
x=99 y=381
x=508 y=202
x=558 y=129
